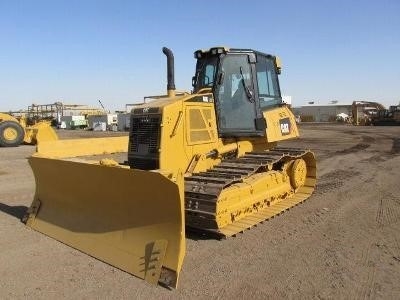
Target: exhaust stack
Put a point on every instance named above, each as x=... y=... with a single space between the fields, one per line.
x=170 y=72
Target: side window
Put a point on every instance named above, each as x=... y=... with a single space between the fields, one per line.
x=209 y=75
x=271 y=86
x=262 y=81
x=267 y=81
x=205 y=73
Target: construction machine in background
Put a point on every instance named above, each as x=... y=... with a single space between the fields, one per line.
x=388 y=117
x=15 y=131
x=207 y=161
x=364 y=111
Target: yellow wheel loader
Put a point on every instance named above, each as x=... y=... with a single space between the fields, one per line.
x=14 y=132
x=206 y=161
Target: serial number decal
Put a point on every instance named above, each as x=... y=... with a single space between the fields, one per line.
x=285 y=126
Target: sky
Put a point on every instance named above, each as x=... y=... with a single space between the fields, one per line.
x=79 y=52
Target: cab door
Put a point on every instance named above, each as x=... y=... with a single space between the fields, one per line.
x=235 y=99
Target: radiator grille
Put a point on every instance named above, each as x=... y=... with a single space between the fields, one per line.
x=144 y=141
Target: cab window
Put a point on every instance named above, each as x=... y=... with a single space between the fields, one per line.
x=236 y=110
x=267 y=81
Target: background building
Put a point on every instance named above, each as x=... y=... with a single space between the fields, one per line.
x=315 y=112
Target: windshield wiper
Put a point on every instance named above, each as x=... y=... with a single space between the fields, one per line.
x=249 y=93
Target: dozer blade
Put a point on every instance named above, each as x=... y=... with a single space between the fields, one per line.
x=82 y=147
x=131 y=219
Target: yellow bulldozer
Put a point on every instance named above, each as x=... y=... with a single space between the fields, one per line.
x=15 y=131
x=206 y=161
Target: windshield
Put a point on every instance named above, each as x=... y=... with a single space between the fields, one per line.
x=205 y=72
x=235 y=102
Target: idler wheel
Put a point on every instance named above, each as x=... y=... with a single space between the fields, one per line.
x=298 y=173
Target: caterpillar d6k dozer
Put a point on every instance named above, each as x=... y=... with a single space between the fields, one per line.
x=14 y=132
x=206 y=160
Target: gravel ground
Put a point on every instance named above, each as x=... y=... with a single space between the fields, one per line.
x=344 y=242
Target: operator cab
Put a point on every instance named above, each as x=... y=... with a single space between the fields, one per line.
x=244 y=83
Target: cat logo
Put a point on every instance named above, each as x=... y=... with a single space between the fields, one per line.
x=285 y=126
x=146 y=110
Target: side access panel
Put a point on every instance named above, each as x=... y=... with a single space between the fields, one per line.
x=131 y=219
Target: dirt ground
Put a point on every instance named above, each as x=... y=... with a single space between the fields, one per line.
x=344 y=242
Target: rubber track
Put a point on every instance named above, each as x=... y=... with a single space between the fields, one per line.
x=203 y=189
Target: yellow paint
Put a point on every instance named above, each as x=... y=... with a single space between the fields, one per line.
x=7 y=117
x=188 y=135
x=39 y=133
x=33 y=134
x=135 y=220
x=82 y=147
x=111 y=213
x=10 y=134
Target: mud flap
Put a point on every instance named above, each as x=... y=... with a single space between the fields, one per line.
x=131 y=219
